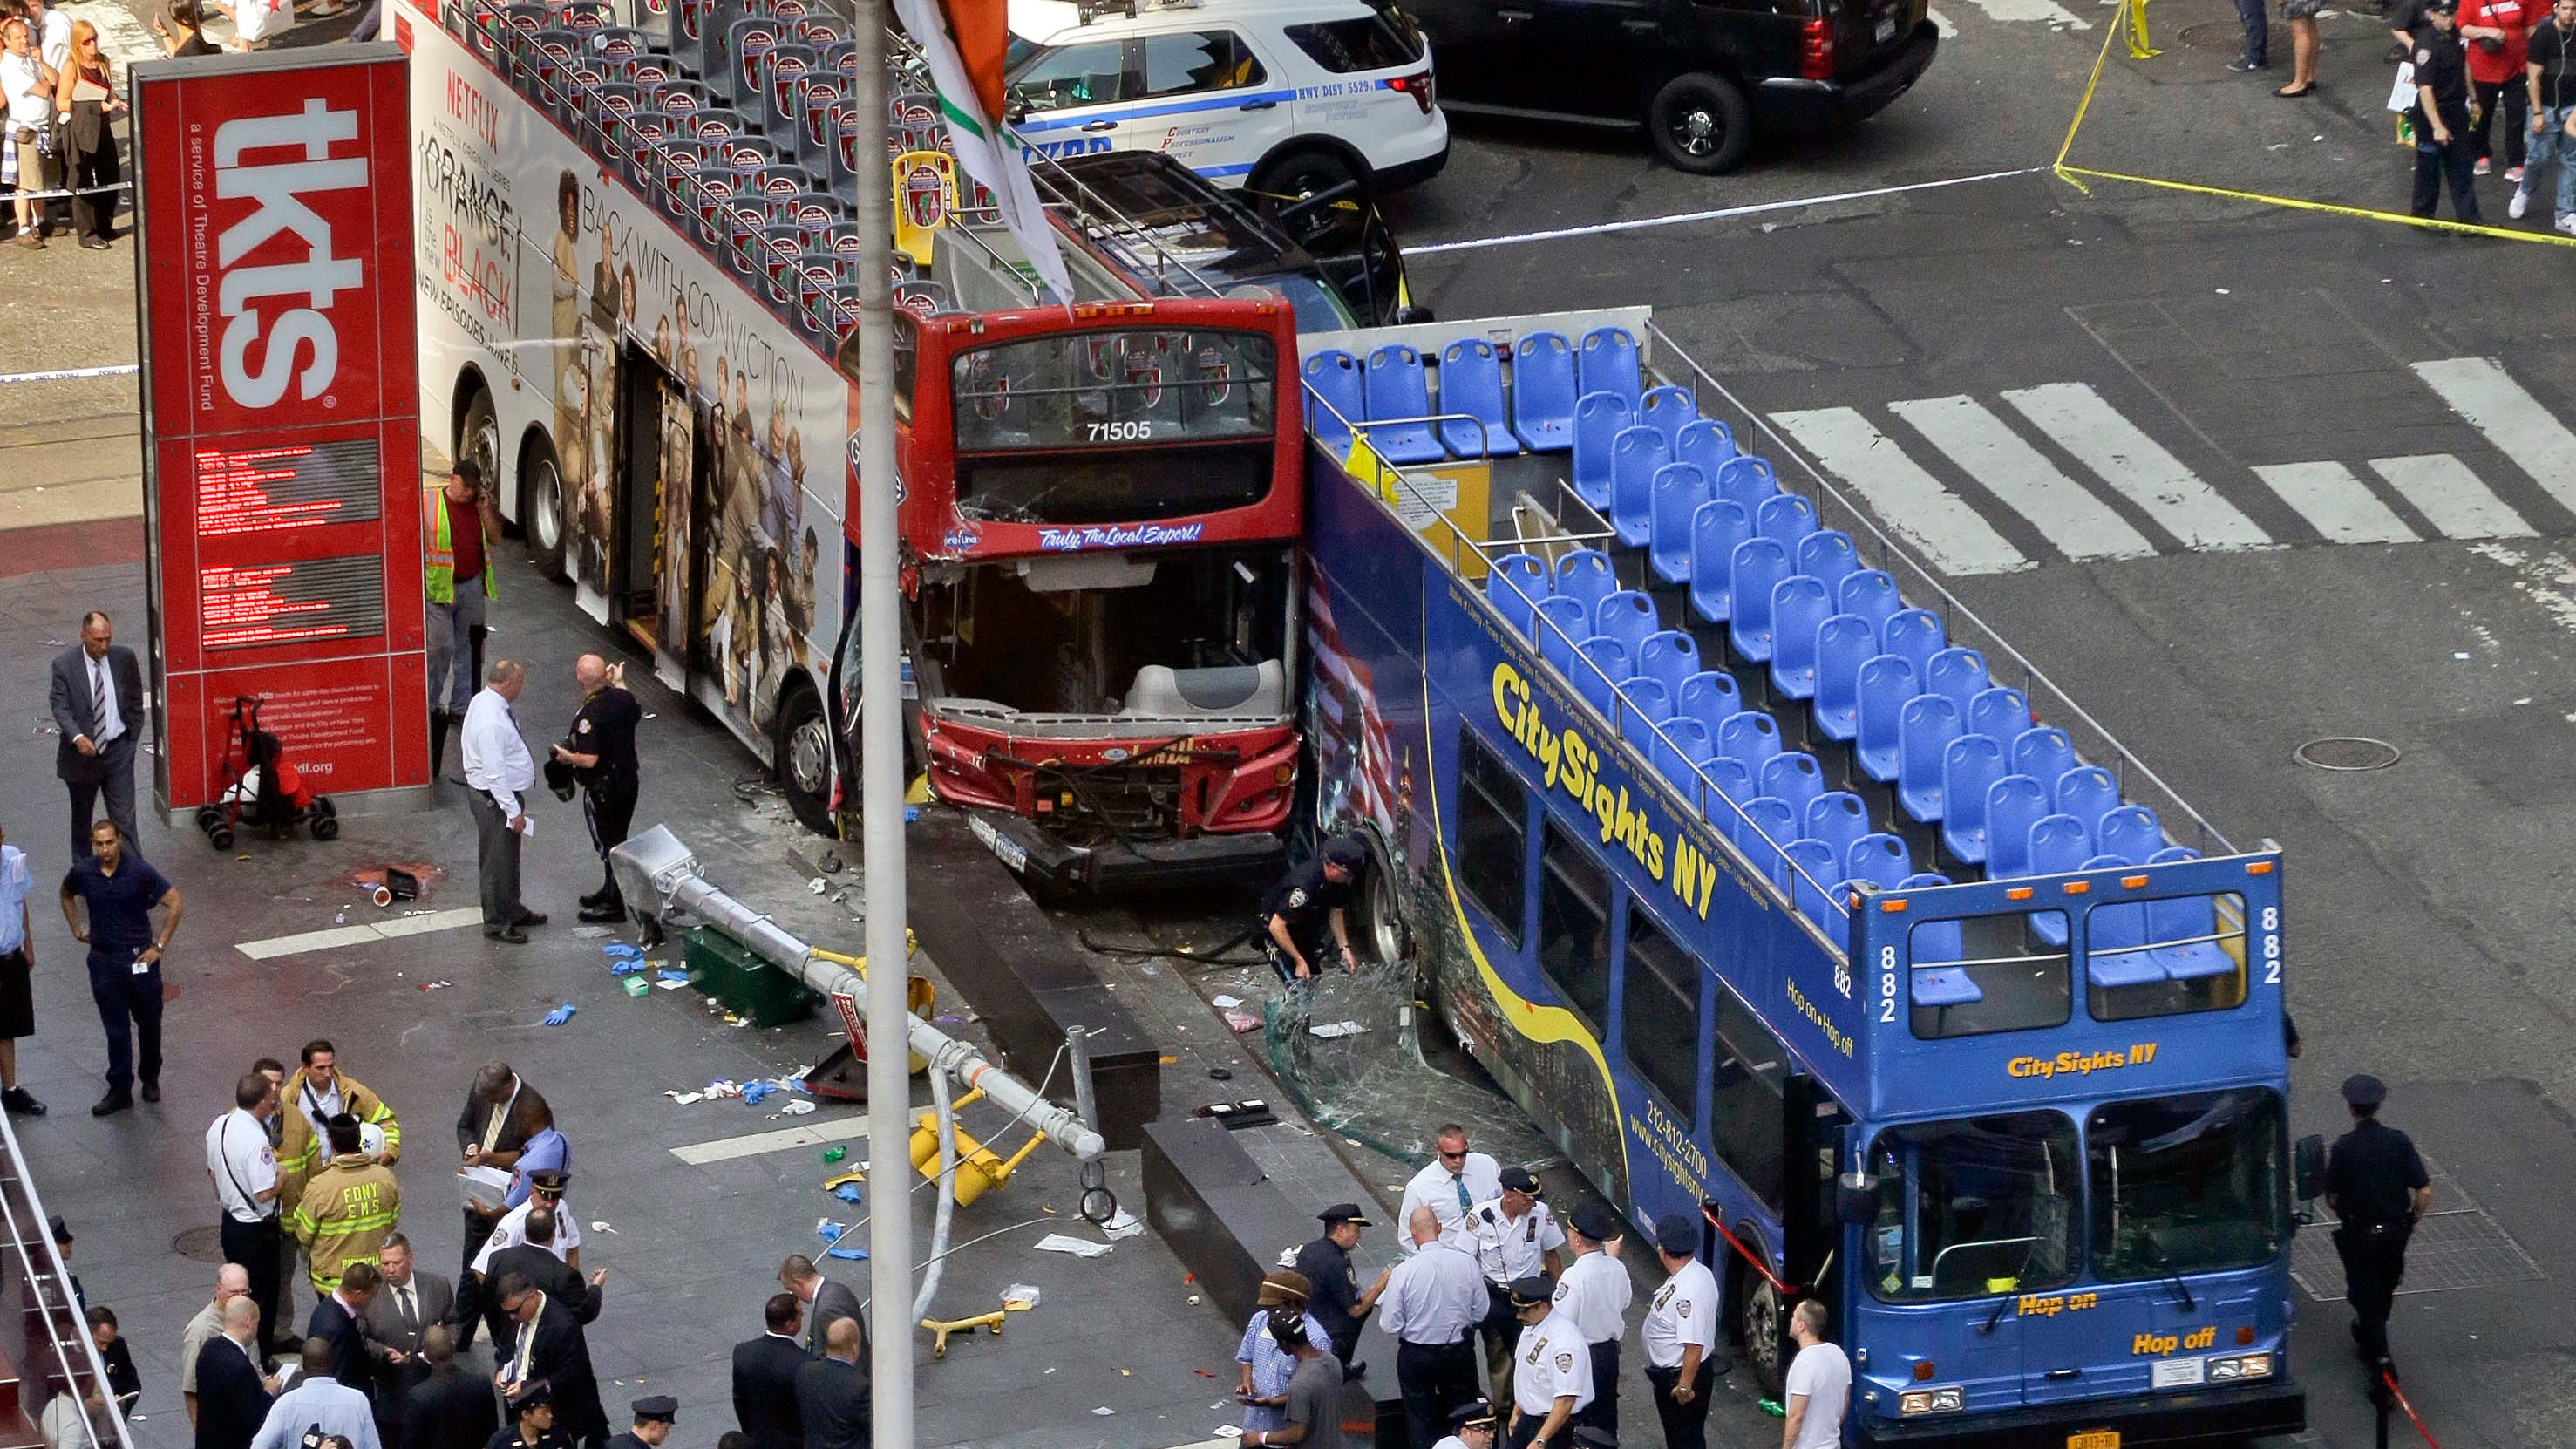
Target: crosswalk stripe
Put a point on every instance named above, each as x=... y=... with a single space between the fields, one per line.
x=2479 y=389
x=2335 y=503
x=2444 y=490
x=2137 y=466
x=1949 y=534
x=2079 y=524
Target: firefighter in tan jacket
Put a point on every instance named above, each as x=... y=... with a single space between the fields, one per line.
x=309 y=1096
x=348 y=1208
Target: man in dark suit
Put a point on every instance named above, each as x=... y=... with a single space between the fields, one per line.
x=535 y=1261
x=501 y=1113
x=764 y=1379
x=449 y=1408
x=336 y=1321
x=97 y=699
x=232 y=1397
x=550 y=1349
x=832 y=1392
x=825 y=1303
x=410 y=1303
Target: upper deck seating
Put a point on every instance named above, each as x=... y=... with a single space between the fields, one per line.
x=1648 y=704
x=1717 y=527
x=1635 y=456
x=2115 y=941
x=1679 y=490
x=1726 y=776
x=1334 y=377
x=1667 y=410
x=1516 y=585
x=1925 y=726
x=1749 y=735
x=1543 y=392
x=1844 y=642
x=1709 y=696
x=1608 y=363
x=1599 y=419
x=1880 y=859
x=1689 y=748
x=1798 y=609
x=1813 y=868
x=1627 y=616
x=1471 y=382
x=2086 y=792
x=2130 y=832
x=1598 y=675
x=1886 y=683
x=1999 y=713
x=1837 y=817
x=1914 y=635
x=1563 y=625
x=1760 y=565
x=1745 y=481
x=1706 y=443
x=1960 y=674
x=1586 y=577
x=2013 y=805
x=1671 y=656
x=1398 y=389
x=1762 y=825
x=1786 y=517
x=1793 y=776
x=2058 y=844
x=1969 y=768
x=2044 y=753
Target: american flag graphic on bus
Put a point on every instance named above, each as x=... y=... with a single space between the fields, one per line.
x=1355 y=765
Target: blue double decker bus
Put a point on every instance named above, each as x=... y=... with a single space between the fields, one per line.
x=1781 y=892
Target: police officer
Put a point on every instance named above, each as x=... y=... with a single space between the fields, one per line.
x=1680 y=1334
x=1335 y=1297
x=1434 y=1300
x=532 y=1423
x=1551 y=1370
x=2444 y=149
x=1512 y=1236
x=1303 y=913
x=1594 y=1294
x=600 y=751
x=1471 y=1426
x=654 y=1416
x=2377 y=1187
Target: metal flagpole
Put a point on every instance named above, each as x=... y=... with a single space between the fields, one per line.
x=881 y=780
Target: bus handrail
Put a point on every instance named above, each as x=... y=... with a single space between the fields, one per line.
x=1618 y=722
x=2124 y=761
x=1937 y=1258
x=93 y=1367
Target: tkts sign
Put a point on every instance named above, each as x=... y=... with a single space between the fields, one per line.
x=283 y=488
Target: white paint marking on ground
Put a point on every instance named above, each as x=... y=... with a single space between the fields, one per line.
x=2022 y=12
x=2335 y=503
x=2079 y=524
x=2451 y=497
x=1941 y=24
x=1720 y=214
x=725 y=1149
x=2479 y=389
x=360 y=935
x=2137 y=466
x=1950 y=535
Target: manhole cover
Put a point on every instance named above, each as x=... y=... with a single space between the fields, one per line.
x=2348 y=752
x=2213 y=35
x=203 y=1244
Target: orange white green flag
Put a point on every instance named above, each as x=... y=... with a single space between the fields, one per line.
x=964 y=42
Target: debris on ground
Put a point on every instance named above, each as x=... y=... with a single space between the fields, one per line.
x=1122 y=1225
x=435 y=985
x=1020 y=1297
x=1225 y=1003
x=1334 y=1030
x=1238 y=1021
x=561 y=1014
x=835 y=1154
x=1080 y=1248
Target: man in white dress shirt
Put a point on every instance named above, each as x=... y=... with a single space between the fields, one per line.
x=1433 y=1302
x=1594 y=1295
x=500 y=772
x=1551 y=1374
x=1510 y=1237
x=1680 y=1334
x=1453 y=1184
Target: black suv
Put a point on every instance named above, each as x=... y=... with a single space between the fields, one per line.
x=1698 y=75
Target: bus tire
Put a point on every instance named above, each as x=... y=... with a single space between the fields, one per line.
x=478 y=435
x=802 y=747
x=541 y=508
x=1700 y=124
x=1764 y=1324
x=1385 y=933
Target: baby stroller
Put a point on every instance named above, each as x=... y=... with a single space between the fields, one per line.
x=261 y=786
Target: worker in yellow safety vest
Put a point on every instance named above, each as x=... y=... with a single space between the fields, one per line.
x=460 y=526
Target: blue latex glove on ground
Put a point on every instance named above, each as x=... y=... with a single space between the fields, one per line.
x=561 y=1014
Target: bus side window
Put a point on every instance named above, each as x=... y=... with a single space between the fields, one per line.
x=2170 y=957
x=1493 y=836
x=1659 y=1028
x=907 y=361
x=1574 y=926
x=1745 y=1097
x=2004 y=972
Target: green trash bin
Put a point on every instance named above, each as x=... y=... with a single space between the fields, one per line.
x=742 y=983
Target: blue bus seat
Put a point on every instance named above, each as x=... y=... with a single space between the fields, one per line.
x=1515 y=586
x=1599 y=419
x=2086 y=792
x=1793 y=776
x=1399 y=388
x=1671 y=656
x=1762 y=819
x=1679 y=489
x=2115 y=941
x=1844 y=642
x=1709 y=696
x=1334 y=377
x=1634 y=456
x=1749 y=735
x=1471 y=382
x=1915 y=635
x=1760 y=565
x=2130 y=832
x=1837 y=818
x=1881 y=859
x=2013 y=804
x=1586 y=577
x=1717 y=527
x=1561 y=624
x=1647 y=704
x=1745 y=481
x=1608 y=363
x=1798 y=610
x=2044 y=753
x=1940 y=986
x=1543 y=392
x=2173 y=853
x=2000 y=714
x=1679 y=760
x=1925 y=726
x=1729 y=778
x=1870 y=593
x=1886 y=683
x=1668 y=410
x=1598 y=675
x=2177 y=927
x=2058 y=844
x=1706 y=443
x=1814 y=868
x=1958 y=672
x=1786 y=517
x=1969 y=768
x=1627 y=616
x=1828 y=554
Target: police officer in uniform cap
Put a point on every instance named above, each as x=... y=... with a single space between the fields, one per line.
x=1471 y=1426
x=1551 y=1371
x=1302 y=916
x=1512 y=1236
x=2378 y=1189
x=654 y=1415
x=2444 y=148
x=599 y=750
x=1593 y=1294
x=532 y=1423
x=1680 y=1334
x=1334 y=1289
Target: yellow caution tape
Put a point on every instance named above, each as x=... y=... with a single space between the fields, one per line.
x=2134 y=14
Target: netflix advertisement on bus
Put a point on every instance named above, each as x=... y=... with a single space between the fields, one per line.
x=279 y=377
